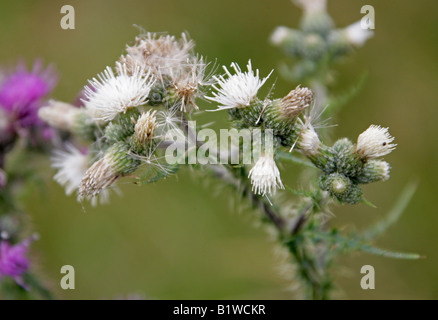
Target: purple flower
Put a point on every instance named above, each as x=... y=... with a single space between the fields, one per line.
x=13 y=259
x=22 y=91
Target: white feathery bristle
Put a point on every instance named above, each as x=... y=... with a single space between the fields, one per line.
x=265 y=176
x=309 y=142
x=72 y=165
x=238 y=90
x=357 y=35
x=375 y=142
x=112 y=94
x=279 y=34
x=159 y=54
x=99 y=177
x=188 y=78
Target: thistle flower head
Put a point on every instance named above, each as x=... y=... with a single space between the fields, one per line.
x=71 y=165
x=111 y=94
x=13 y=259
x=341 y=187
x=21 y=92
x=145 y=127
x=357 y=35
x=59 y=114
x=279 y=35
x=117 y=162
x=265 y=176
x=374 y=170
x=158 y=54
x=374 y=142
x=296 y=101
x=187 y=81
x=309 y=142
x=237 y=90
x=311 y=6
x=97 y=178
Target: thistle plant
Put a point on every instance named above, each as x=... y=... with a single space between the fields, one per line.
x=136 y=120
x=134 y=112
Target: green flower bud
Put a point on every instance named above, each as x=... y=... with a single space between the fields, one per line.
x=114 y=133
x=288 y=39
x=250 y=116
x=313 y=46
x=318 y=22
x=341 y=158
x=85 y=126
x=374 y=170
x=338 y=44
x=117 y=162
x=122 y=127
x=341 y=187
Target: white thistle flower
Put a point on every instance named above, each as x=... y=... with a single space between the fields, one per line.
x=357 y=35
x=311 y=6
x=158 y=54
x=279 y=35
x=59 y=114
x=375 y=142
x=309 y=142
x=188 y=79
x=72 y=165
x=110 y=95
x=238 y=90
x=265 y=176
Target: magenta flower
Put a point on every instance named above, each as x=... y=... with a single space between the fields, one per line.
x=22 y=92
x=13 y=260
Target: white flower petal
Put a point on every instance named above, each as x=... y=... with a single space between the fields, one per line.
x=238 y=90
x=72 y=165
x=265 y=176
x=110 y=95
x=375 y=142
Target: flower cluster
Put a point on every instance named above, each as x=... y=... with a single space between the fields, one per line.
x=129 y=110
x=346 y=165
x=317 y=42
x=126 y=112
x=237 y=93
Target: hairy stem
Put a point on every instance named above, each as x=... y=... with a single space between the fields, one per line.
x=311 y=268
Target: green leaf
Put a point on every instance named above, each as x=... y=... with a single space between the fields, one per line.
x=341 y=243
x=368 y=203
x=394 y=214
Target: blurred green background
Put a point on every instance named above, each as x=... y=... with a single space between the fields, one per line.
x=183 y=238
